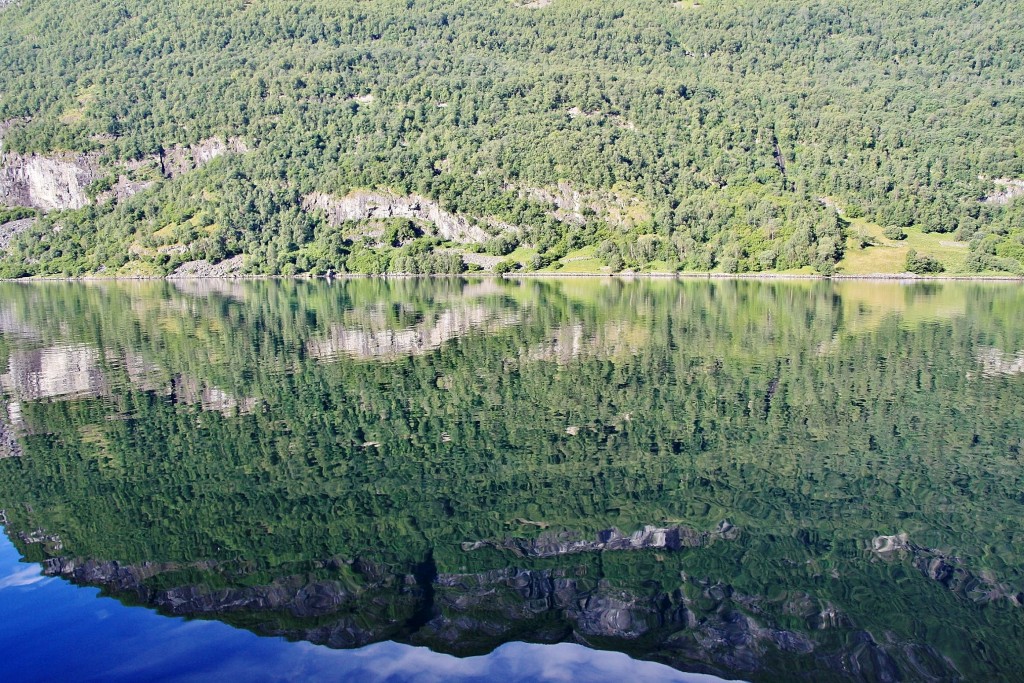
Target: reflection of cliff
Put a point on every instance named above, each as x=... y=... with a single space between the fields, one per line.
x=9 y=446
x=997 y=362
x=70 y=371
x=701 y=624
x=377 y=339
x=551 y=544
x=947 y=570
x=74 y=371
x=191 y=391
x=11 y=324
x=569 y=342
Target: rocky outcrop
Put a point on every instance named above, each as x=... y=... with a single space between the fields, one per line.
x=572 y=205
x=1007 y=190
x=54 y=182
x=181 y=159
x=48 y=183
x=365 y=205
x=554 y=544
x=230 y=267
x=10 y=230
x=124 y=188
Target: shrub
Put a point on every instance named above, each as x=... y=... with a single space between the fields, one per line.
x=506 y=266
x=922 y=264
x=894 y=232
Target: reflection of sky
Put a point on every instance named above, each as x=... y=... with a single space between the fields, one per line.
x=51 y=630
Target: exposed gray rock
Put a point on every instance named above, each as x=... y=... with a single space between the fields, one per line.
x=49 y=183
x=231 y=267
x=123 y=189
x=1007 y=190
x=572 y=205
x=485 y=261
x=10 y=230
x=181 y=159
x=364 y=205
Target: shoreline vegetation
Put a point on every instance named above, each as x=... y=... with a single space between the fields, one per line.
x=876 y=277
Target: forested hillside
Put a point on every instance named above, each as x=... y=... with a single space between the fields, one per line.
x=429 y=136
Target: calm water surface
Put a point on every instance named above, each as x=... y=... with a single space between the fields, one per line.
x=539 y=480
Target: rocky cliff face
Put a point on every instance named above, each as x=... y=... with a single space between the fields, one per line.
x=364 y=205
x=10 y=230
x=1007 y=189
x=46 y=182
x=57 y=182
x=182 y=159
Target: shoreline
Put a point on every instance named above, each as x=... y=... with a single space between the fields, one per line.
x=875 y=277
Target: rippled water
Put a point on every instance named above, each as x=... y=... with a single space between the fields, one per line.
x=757 y=480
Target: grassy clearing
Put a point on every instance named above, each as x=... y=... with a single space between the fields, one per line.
x=887 y=256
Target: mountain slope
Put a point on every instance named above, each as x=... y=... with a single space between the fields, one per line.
x=721 y=136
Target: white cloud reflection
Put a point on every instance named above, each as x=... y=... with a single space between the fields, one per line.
x=22 y=577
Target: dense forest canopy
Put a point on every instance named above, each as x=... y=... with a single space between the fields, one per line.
x=737 y=135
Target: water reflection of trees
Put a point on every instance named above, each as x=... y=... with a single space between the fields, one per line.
x=812 y=417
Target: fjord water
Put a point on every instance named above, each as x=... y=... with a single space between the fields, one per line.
x=757 y=480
